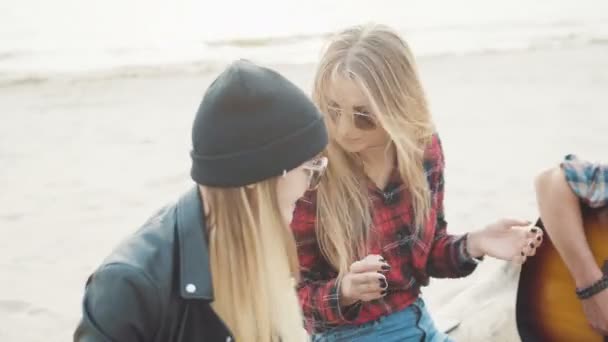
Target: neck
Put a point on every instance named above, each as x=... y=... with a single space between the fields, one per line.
x=378 y=163
x=378 y=157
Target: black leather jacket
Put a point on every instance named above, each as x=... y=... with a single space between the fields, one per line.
x=156 y=286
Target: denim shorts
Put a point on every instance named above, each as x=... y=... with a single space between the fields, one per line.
x=413 y=323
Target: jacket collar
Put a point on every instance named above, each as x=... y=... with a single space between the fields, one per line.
x=195 y=271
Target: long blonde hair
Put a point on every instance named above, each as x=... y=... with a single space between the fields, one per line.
x=254 y=264
x=382 y=65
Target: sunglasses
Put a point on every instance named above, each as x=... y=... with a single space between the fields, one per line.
x=361 y=120
x=316 y=168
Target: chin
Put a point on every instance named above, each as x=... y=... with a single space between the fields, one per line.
x=353 y=147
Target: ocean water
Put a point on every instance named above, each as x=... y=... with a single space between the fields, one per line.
x=39 y=39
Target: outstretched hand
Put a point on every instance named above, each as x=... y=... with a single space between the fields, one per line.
x=506 y=239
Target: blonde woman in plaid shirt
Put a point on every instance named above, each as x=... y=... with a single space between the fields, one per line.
x=375 y=231
x=560 y=193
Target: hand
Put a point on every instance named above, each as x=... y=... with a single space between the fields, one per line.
x=506 y=239
x=596 y=311
x=365 y=281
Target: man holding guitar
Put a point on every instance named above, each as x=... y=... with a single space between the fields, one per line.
x=560 y=192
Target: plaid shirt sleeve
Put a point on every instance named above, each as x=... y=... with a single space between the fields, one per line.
x=319 y=297
x=448 y=257
x=589 y=181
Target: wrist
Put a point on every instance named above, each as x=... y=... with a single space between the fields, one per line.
x=474 y=245
x=595 y=288
x=587 y=276
x=344 y=299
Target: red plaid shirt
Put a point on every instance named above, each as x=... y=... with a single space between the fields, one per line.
x=413 y=259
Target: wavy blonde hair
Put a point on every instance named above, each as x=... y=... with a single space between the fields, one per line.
x=254 y=264
x=382 y=65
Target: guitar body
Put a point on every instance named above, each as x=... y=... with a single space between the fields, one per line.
x=547 y=307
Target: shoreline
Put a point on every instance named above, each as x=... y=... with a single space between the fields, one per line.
x=201 y=68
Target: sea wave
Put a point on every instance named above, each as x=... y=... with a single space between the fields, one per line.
x=23 y=67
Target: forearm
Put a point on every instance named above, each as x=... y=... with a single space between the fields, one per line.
x=561 y=215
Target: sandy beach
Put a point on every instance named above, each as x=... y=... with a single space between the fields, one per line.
x=84 y=162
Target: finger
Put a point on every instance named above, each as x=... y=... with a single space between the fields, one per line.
x=520 y=259
x=370 y=264
x=532 y=251
x=372 y=296
x=598 y=329
x=536 y=234
x=523 y=253
x=369 y=281
x=538 y=241
x=601 y=327
x=364 y=265
x=532 y=235
x=374 y=257
x=371 y=285
x=534 y=231
x=509 y=222
x=373 y=288
x=529 y=248
x=370 y=288
x=355 y=267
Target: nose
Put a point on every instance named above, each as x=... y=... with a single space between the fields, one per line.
x=344 y=125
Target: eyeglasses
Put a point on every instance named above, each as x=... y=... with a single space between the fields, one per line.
x=362 y=121
x=316 y=168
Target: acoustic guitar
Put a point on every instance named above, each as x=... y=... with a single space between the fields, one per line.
x=547 y=308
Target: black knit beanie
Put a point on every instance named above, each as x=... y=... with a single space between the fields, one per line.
x=253 y=124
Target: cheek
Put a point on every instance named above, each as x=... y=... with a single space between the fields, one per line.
x=378 y=136
x=374 y=137
x=364 y=141
x=350 y=146
x=292 y=187
x=299 y=187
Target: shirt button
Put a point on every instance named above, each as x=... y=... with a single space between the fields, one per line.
x=190 y=288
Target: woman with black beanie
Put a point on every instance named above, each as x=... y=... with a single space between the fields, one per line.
x=221 y=263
